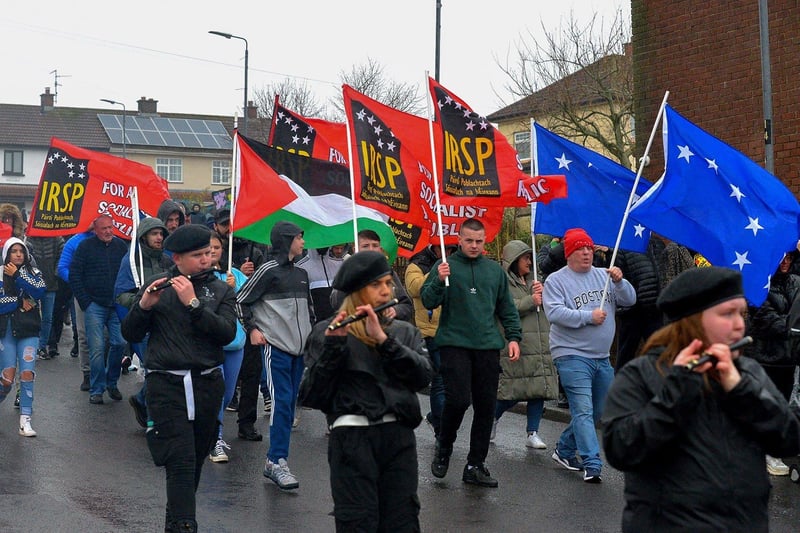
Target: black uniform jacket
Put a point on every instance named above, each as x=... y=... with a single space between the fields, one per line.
x=345 y=376
x=693 y=458
x=182 y=338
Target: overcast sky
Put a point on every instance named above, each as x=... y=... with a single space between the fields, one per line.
x=162 y=49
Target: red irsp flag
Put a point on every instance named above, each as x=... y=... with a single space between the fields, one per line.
x=77 y=185
x=388 y=175
x=476 y=163
x=311 y=137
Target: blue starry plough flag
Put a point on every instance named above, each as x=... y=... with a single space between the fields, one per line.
x=717 y=201
x=599 y=190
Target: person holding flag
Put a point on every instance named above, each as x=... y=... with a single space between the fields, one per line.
x=470 y=343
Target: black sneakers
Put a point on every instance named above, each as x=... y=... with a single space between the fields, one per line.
x=441 y=460
x=478 y=475
x=139 y=410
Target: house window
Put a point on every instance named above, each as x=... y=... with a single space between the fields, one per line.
x=12 y=163
x=522 y=143
x=221 y=172
x=170 y=169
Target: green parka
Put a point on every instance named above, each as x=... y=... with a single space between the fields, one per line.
x=533 y=375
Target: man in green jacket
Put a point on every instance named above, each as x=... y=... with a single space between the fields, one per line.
x=470 y=343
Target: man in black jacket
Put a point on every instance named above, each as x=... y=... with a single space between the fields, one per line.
x=92 y=274
x=189 y=322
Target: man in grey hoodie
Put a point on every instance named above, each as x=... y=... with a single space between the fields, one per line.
x=278 y=314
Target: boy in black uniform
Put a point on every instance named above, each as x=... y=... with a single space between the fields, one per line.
x=189 y=322
x=364 y=377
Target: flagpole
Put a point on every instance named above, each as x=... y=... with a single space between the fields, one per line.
x=235 y=174
x=137 y=275
x=639 y=171
x=534 y=172
x=435 y=173
x=352 y=179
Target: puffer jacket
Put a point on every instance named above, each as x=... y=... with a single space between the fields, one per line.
x=533 y=375
x=768 y=324
x=26 y=284
x=417 y=271
x=641 y=270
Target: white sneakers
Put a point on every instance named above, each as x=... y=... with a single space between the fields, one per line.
x=776 y=467
x=26 y=430
x=280 y=474
x=534 y=441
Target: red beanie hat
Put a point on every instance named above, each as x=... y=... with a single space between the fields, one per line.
x=575 y=238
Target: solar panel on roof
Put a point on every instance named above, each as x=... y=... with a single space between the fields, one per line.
x=170 y=132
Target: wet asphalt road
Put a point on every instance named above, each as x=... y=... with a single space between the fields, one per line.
x=89 y=471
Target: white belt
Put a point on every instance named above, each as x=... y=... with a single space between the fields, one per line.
x=361 y=420
x=188 y=391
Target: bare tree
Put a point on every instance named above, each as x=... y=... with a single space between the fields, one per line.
x=294 y=93
x=370 y=79
x=580 y=79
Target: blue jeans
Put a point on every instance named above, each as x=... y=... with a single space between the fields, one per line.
x=230 y=372
x=586 y=382
x=437 y=385
x=18 y=352
x=46 y=302
x=535 y=409
x=104 y=374
x=284 y=372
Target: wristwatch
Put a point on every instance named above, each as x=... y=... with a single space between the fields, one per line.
x=194 y=303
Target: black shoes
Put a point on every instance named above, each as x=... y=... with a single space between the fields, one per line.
x=139 y=410
x=85 y=385
x=441 y=460
x=42 y=354
x=233 y=405
x=478 y=475
x=74 y=351
x=96 y=399
x=114 y=393
x=250 y=433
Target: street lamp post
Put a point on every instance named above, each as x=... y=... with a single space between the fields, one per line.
x=244 y=109
x=124 y=115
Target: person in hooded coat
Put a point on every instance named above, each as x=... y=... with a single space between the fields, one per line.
x=150 y=251
x=20 y=320
x=278 y=314
x=532 y=377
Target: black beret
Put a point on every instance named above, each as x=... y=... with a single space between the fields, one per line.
x=359 y=270
x=698 y=289
x=188 y=238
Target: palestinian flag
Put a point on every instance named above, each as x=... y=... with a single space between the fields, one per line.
x=275 y=185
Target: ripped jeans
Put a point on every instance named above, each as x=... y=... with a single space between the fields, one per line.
x=13 y=353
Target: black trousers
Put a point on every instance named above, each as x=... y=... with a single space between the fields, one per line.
x=634 y=327
x=374 y=475
x=60 y=306
x=177 y=443
x=469 y=375
x=249 y=380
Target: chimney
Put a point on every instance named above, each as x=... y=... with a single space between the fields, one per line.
x=147 y=106
x=47 y=100
x=252 y=110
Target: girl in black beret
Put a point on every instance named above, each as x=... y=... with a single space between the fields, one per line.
x=364 y=377
x=691 y=438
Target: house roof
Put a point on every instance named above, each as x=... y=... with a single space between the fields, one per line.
x=30 y=126
x=580 y=86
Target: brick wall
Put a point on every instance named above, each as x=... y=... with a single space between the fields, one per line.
x=707 y=54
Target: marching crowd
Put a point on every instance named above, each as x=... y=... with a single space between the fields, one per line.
x=641 y=348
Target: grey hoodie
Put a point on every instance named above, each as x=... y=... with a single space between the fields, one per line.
x=276 y=299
